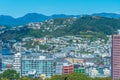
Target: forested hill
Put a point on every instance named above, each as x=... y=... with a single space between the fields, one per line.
x=67 y=26
x=95 y=24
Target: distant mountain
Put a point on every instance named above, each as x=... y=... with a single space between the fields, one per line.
x=35 y=17
x=61 y=27
x=108 y=15
x=32 y=17
x=7 y=20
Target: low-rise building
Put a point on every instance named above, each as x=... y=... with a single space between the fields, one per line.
x=68 y=68
x=79 y=68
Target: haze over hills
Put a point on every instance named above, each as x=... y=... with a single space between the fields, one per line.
x=35 y=17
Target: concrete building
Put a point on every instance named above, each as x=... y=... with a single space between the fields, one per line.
x=7 y=62
x=17 y=62
x=59 y=66
x=35 y=64
x=68 y=68
x=115 y=57
x=79 y=68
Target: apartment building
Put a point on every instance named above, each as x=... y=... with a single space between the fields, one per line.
x=35 y=64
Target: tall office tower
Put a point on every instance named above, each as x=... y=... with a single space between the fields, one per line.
x=0 y=55
x=115 y=57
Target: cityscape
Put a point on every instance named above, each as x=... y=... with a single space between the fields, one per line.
x=60 y=42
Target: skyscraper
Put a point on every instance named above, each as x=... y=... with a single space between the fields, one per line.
x=115 y=57
x=0 y=55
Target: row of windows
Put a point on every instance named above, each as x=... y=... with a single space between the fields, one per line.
x=37 y=60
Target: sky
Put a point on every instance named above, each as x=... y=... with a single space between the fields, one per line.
x=18 y=8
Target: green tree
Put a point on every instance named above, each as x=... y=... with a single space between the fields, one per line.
x=58 y=77
x=72 y=76
x=4 y=79
x=0 y=76
x=11 y=74
x=106 y=78
x=77 y=76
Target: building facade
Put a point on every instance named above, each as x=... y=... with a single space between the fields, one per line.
x=34 y=65
x=59 y=67
x=115 y=57
x=68 y=68
x=78 y=68
x=17 y=62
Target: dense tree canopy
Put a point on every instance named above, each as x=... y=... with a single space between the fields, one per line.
x=76 y=76
x=10 y=75
x=13 y=75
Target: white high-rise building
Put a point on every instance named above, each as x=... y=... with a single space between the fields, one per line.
x=17 y=62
